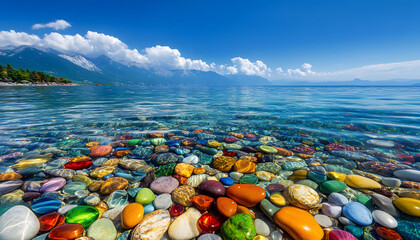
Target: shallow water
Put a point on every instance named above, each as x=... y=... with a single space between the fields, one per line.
x=351 y=112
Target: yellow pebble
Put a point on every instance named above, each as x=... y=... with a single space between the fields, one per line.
x=212 y=178
x=278 y=199
x=337 y=176
x=260 y=237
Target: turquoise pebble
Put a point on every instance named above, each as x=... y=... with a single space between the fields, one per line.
x=45 y=205
x=148 y=208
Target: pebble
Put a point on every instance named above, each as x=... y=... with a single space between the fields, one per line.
x=145 y=196
x=18 y=223
x=185 y=226
x=163 y=201
x=103 y=229
x=358 y=213
x=384 y=219
x=131 y=215
x=338 y=199
x=302 y=196
x=240 y=226
x=323 y=220
x=247 y=195
x=152 y=226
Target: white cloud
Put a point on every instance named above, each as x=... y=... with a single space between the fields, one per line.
x=57 y=25
x=245 y=66
x=12 y=38
x=279 y=70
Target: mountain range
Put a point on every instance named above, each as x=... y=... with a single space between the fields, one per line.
x=103 y=70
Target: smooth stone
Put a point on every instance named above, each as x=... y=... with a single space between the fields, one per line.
x=385 y=204
x=149 y=208
x=409 y=174
x=391 y=182
x=317 y=177
x=338 y=199
x=323 y=220
x=357 y=181
x=358 y=213
x=226 y=206
x=145 y=196
x=9 y=186
x=212 y=188
x=153 y=226
x=248 y=179
x=235 y=175
x=209 y=236
x=331 y=186
x=18 y=223
x=67 y=231
x=261 y=227
x=117 y=198
x=192 y=159
x=247 y=195
x=102 y=229
x=84 y=215
x=275 y=187
x=345 y=221
x=41 y=237
x=354 y=230
x=45 y=205
x=92 y=200
x=276 y=235
x=131 y=215
x=302 y=196
x=308 y=183
x=53 y=184
x=278 y=199
x=184 y=169
x=182 y=195
x=227 y=181
x=409 y=206
x=384 y=219
x=196 y=180
x=268 y=208
x=114 y=214
x=240 y=226
x=331 y=210
x=113 y=184
x=185 y=226
x=66 y=208
x=50 y=220
x=73 y=187
x=303 y=226
x=163 y=201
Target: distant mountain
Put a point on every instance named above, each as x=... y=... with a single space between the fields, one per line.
x=103 y=70
x=354 y=82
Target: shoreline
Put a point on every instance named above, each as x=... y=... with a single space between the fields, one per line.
x=38 y=84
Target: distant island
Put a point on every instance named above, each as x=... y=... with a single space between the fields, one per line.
x=11 y=76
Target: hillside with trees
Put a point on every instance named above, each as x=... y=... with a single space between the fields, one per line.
x=20 y=76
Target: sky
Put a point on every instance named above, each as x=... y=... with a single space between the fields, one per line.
x=293 y=40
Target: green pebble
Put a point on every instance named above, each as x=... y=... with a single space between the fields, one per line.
x=331 y=186
x=103 y=229
x=84 y=215
x=145 y=196
x=249 y=179
x=308 y=183
x=240 y=226
x=268 y=149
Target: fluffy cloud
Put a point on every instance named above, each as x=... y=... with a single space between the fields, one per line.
x=245 y=66
x=12 y=38
x=57 y=25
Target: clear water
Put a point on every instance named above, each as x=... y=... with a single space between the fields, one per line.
x=38 y=116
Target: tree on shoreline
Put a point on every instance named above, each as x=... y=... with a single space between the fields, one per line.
x=27 y=76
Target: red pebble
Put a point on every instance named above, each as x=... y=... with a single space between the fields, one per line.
x=176 y=210
x=208 y=223
x=202 y=202
x=67 y=231
x=50 y=220
x=387 y=234
x=100 y=151
x=78 y=165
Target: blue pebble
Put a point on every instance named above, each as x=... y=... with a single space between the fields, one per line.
x=45 y=205
x=148 y=208
x=227 y=181
x=107 y=176
x=127 y=176
x=338 y=199
x=358 y=213
x=202 y=142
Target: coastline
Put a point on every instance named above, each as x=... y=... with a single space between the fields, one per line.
x=38 y=84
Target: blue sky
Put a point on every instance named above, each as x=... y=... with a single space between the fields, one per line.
x=335 y=39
